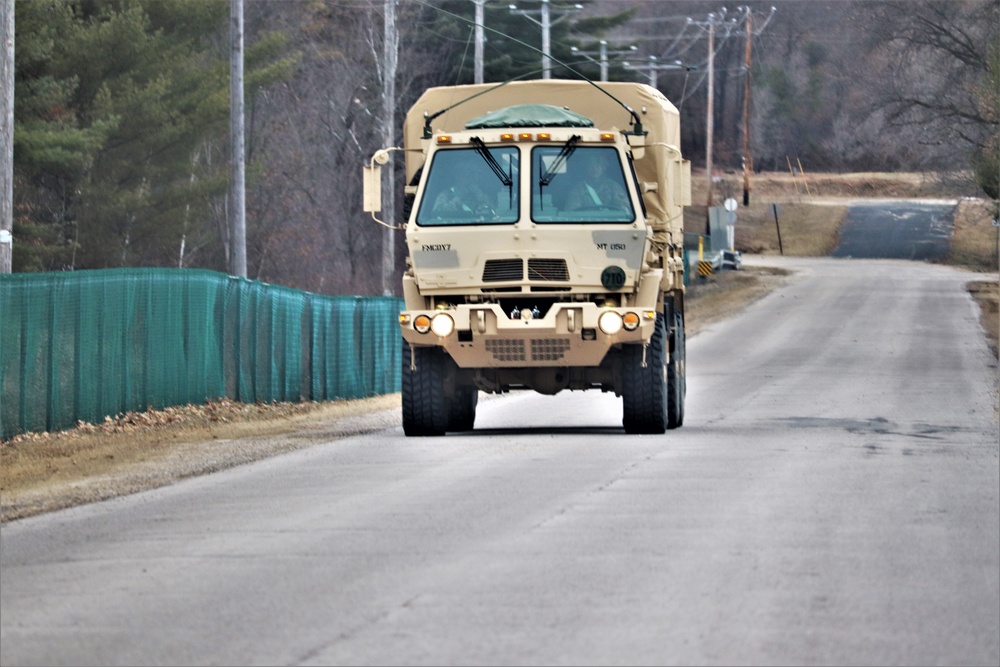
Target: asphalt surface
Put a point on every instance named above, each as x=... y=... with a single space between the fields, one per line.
x=833 y=498
x=918 y=230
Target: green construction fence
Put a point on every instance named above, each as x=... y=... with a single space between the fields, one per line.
x=83 y=345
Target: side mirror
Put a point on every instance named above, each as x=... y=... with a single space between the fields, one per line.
x=372 y=174
x=372 y=185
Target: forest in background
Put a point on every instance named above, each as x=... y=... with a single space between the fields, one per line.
x=121 y=110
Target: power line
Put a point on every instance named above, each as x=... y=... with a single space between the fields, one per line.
x=603 y=54
x=546 y=22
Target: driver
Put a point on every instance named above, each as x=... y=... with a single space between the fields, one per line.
x=595 y=189
x=463 y=196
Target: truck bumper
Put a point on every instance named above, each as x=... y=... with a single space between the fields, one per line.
x=569 y=335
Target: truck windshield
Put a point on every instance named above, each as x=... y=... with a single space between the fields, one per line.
x=471 y=186
x=586 y=186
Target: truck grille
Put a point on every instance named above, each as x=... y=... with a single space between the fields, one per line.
x=541 y=349
x=547 y=269
x=501 y=270
x=548 y=349
x=506 y=350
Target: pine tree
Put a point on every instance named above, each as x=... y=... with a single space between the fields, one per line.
x=121 y=119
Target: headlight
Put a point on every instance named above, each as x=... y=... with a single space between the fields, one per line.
x=442 y=325
x=610 y=322
x=631 y=321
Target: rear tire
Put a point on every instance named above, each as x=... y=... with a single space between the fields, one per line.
x=644 y=390
x=425 y=406
x=676 y=373
x=462 y=415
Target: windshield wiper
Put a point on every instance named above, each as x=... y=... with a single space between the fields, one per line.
x=495 y=166
x=567 y=150
x=492 y=161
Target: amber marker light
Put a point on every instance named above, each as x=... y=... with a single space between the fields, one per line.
x=544 y=136
x=422 y=324
x=444 y=139
x=607 y=136
x=526 y=136
x=507 y=136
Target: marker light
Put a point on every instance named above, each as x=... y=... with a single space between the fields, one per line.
x=544 y=136
x=444 y=139
x=607 y=136
x=631 y=321
x=422 y=324
x=525 y=136
x=610 y=322
x=507 y=136
x=442 y=325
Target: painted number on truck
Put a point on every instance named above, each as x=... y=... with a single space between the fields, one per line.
x=612 y=246
x=613 y=277
x=437 y=247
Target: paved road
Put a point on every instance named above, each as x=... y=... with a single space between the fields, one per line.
x=918 y=230
x=833 y=499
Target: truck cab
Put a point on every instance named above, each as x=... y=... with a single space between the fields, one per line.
x=533 y=263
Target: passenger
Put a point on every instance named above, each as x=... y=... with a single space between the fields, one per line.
x=596 y=189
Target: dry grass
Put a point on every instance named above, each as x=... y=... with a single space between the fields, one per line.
x=975 y=242
x=814 y=188
x=806 y=230
x=987 y=295
x=724 y=294
x=810 y=210
x=975 y=245
x=40 y=472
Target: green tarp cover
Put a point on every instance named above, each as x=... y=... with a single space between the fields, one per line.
x=530 y=115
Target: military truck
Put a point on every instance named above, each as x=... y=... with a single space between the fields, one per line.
x=544 y=230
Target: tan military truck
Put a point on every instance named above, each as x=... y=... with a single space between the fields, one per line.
x=544 y=228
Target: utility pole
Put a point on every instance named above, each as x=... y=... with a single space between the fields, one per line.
x=603 y=55
x=390 y=55
x=479 y=40
x=709 y=119
x=546 y=44
x=746 y=111
x=238 y=210
x=747 y=63
x=604 y=60
x=654 y=67
x=714 y=18
x=546 y=23
x=6 y=135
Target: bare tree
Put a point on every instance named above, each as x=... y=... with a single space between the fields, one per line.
x=6 y=133
x=932 y=68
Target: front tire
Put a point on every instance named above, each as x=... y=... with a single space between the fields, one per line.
x=425 y=406
x=644 y=390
